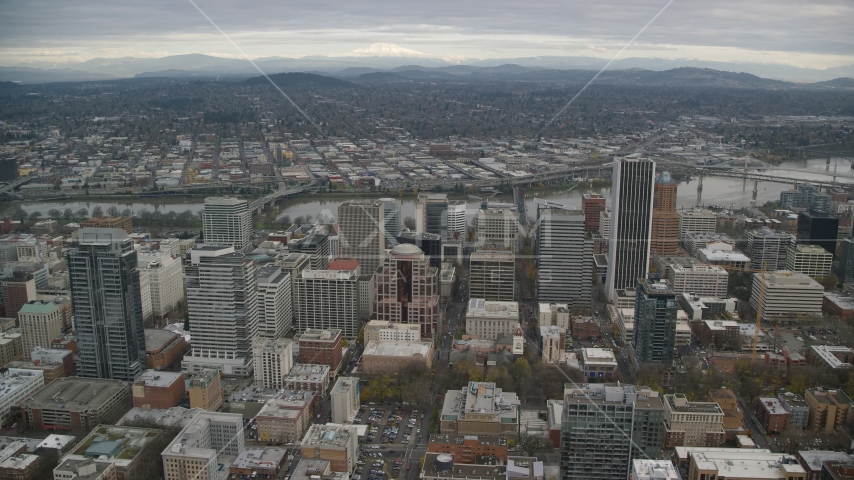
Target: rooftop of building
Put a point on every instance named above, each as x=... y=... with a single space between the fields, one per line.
x=793 y=400
x=479 y=307
x=84 y=469
x=653 y=286
x=698 y=268
x=696 y=213
x=75 y=394
x=679 y=403
x=805 y=249
x=38 y=307
x=18 y=462
x=406 y=249
x=317 y=335
x=315 y=469
x=598 y=356
x=118 y=444
x=814 y=458
x=398 y=349
x=773 y=405
x=271 y=274
x=654 y=470
x=785 y=278
x=722 y=256
x=720 y=325
x=828 y=354
x=839 y=470
x=153 y=378
x=487 y=441
x=259 y=457
x=344 y=384
x=306 y=372
x=288 y=399
x=15 y=379
x=202 y=419
x=481 y=255
x=746 y=463
x=481 y=398
x=823 y=395
x=613 y=393
x=271 y=345
x=57 y=442
x=419 y=235
x=335 y=436
x=224 y=201
x=551 y=331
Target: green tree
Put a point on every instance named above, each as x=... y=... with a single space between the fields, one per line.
x=531 y=444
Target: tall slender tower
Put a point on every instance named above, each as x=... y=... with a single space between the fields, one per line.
x=105 y=294
x=228 y=221
x=392 y=220
x=361 y=233
x=631 y=222
x=564 y=256
x=665 y=218
x=222 y=302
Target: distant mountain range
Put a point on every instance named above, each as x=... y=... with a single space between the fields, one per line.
x=395 y=66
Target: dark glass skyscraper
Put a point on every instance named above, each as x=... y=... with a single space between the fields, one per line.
x=655 y=321
x=816 y=229
x=633 y=182
x=105 y=294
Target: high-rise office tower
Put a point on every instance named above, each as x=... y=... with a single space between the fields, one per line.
x=633 y=182
x=329 y=299
x=407 y=290
x=393 y=220
x=665 y=219
x=105 y=294
x=429 y=243
x=767 y=248
x=431 y=213
x=41 y=323
x=845 y=269
x=360 y=233
x=18 y=289
x=316 y=244
x=655 y=321
x=492 y=276
x=456 y=220
x=228 y=221
x=222 y=302
x=497 y=229
x=817 y=229
x=592 y=204
x=275 y=314
x=606 y=426
x=564 y=257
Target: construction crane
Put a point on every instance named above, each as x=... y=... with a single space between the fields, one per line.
x=760 y=301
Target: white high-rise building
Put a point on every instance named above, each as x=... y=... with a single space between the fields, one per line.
x=767 y=248
x=165 y=281
x=456 y=220
x=564 y=257
x=272 y=359
x=222 y=301
x=208 y=441
x=786 y=296
x=633 y=183
x=810 y=259
x=696 y=221
x=497 y=229
x=699 y=279
x=275 y=311
x=392 y=220
x=329 y=299
x=360 y=234
x=344 y=398
x=41 y=322
x=228 y=221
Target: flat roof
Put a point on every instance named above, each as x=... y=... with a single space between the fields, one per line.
x=479 y=307
x=328 y=435
x=317 y=335
x=38 y=307
x=612 y=393
x=308 y=372
x=488 y=441
x=75 y=394
x=155 y=339
x=263 y=457
x=747 y=463
x=599 y=356
x=15 y=379
x=827 y=354
x=153 y=378
x=121 y=444
x=397 y=349
x=814 y=458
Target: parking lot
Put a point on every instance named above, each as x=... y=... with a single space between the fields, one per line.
x=392 y=424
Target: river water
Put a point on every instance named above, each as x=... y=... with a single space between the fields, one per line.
x=726 y=192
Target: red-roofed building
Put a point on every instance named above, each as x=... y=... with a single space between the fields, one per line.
x=344 y=263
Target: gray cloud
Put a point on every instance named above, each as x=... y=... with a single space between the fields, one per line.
x=820 y=27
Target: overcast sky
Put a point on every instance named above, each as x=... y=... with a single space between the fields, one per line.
x=807 y=33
